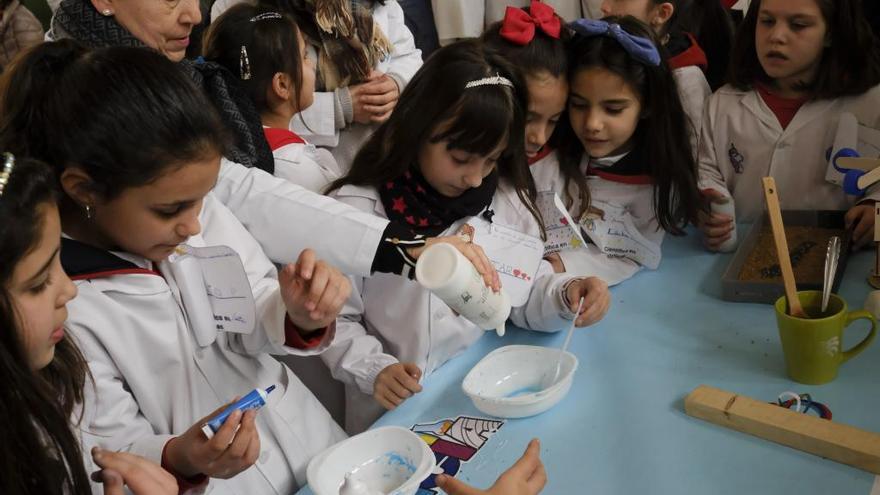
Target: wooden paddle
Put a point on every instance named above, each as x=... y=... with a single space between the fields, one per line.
x=794 y=304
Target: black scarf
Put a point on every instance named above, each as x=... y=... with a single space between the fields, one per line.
x=79 y=20
x=410 y=200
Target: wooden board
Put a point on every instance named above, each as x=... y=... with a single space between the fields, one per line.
x=838 y=442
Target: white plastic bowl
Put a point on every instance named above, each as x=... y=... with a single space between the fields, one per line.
x=509 y=381
x=387 y=460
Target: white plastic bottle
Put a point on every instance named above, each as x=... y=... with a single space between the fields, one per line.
x=726 y=206
x=451 y=277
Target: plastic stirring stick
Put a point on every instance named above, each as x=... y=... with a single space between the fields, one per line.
x=565 y=344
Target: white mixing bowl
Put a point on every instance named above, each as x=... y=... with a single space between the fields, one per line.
x=510 y=382
x=387 y=460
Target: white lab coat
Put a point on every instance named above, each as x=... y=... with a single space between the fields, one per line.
x=741 y=132
x=694 y=91
x=637 y=200
x=306 y=165
x=390 y=318
x=286 y=218
x=154 y=381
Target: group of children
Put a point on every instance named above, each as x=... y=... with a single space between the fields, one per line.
x=115 y=178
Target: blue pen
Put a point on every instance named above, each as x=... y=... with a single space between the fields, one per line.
x=254 y=400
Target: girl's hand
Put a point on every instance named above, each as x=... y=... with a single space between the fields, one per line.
x=472 y=252
x=556 y=262
x=313 y=291
x=381 y=98
x=597 y=300
x=234 y=448
x=716 y=227
x=120 y=469
x=525 y=477
x=861 y=219
x=396 y=383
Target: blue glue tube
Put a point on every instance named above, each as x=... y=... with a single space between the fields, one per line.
x=254 y=400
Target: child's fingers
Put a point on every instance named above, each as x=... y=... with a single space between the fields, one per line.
x=223 y=437
x=112 y=482
x=141 y=475
x=453 y=486
x=380 y=398
x=378 y=100
x=487 y=269
x=395 y=386
x=538 y=479
x=410 y=384
x=320 y=279
x=413 y=370
x=530 y=460
x=236 y=450
x=305 y=263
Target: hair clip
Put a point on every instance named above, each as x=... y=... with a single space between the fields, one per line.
x=266 y=15
x=641 y=49
x=244 y=65
x=495 y=80
x=7 y=170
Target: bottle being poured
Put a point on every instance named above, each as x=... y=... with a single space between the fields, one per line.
x=451 y=277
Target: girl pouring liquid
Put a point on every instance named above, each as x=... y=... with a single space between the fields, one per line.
x=458 y=165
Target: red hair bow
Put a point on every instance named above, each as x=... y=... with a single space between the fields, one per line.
x=519 y=26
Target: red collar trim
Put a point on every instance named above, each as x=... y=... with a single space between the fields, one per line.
x=693 y=56
x=546 y=150
x=624 y=179
x=111 y=273
x=279 y=138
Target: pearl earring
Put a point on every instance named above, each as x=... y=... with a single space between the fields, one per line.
x=88 y=212
x=106 y=12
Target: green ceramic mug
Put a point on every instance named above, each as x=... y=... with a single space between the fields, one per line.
x=812 y=346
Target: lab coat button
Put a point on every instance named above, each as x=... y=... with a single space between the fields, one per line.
x=264 y=456
x=200 y=354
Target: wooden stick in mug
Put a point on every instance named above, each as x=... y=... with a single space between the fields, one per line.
x=775 y=214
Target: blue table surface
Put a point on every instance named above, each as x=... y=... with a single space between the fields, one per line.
x=622 y=428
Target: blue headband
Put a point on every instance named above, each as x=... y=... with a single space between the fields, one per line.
x=642 y=49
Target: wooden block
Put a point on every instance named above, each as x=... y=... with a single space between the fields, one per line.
x=835 y=441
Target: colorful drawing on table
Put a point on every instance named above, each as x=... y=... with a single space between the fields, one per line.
x=453 y=442
x=562 y=231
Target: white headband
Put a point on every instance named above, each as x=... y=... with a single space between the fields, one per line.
x=6 y=171
x=495 y=80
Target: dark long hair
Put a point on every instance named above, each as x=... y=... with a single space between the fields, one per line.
x=42 y=455
x=711 y=25
x=849 y=66
x=662 y=129
x=125 y=115
x=479 y=118
x=271 y=43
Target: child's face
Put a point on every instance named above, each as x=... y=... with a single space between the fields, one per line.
x=151 y=220
x=547 y=96
x=451 y=172
x=307 y=91
x=604 y=111
x=790 y=37
x=40 y=290
x=652 y=14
